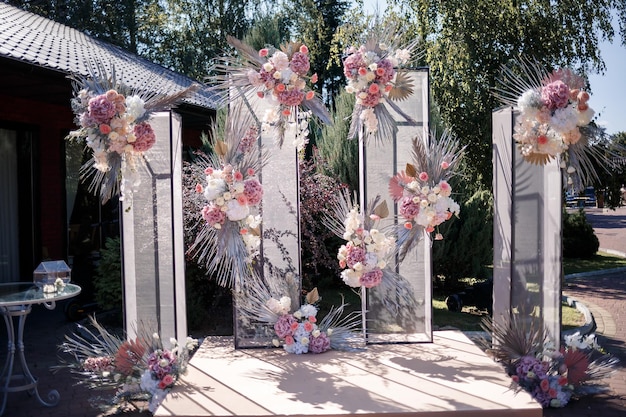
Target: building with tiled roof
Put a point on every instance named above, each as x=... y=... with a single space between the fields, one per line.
x=43 y=214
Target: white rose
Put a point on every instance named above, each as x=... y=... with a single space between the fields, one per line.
x=236 y=211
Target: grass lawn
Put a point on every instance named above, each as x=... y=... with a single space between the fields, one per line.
x=469 y=318
x=599 y=261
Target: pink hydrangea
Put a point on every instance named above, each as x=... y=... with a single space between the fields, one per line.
x=144 y=137
x=384 y=72
x=372 y=278
x=409 y=209
x=101 y=110
x=355 y=254
x=300 y=63
x=352 y=64
x=555 y=95
x=213 y=215
x=253 y=190
x=290 y=97
x=319 y=344
x=283 y=326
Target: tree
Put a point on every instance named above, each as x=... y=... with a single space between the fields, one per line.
x=611 y=182
x=113 y=22
x=187 y=35
x=315 y=25
x=467 y=42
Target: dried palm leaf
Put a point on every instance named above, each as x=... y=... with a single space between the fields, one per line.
x=403 y=86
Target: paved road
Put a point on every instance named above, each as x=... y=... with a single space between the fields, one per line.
x=605 y=295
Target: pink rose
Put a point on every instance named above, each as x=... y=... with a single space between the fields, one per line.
x=423 y=176
x=372 y=99
x=213 y=215
x=168 y=380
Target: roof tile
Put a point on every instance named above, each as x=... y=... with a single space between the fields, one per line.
x=28 y=37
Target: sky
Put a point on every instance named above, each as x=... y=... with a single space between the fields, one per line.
x=606 y=89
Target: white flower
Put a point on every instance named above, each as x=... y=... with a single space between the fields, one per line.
x=402 y=56
x=236 y=211
x=351 y=278
x=214 y=188
x=585 y=117
x=280 y=60
x=134 y=108
x=276 y=342
x=298 y=314
x=271 y=115
x=564 y=119
x=253 y=221
x=268 y=66
x=316 y=333
x=285 y=303
x=308 y=310
x=530 y=103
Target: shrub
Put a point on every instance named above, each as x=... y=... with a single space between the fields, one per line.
x=319 y=244
x=579 y=239
x=467 y=246
x=108 y=278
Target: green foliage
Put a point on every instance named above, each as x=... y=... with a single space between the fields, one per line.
x=315 y=24
x=341 y=155
x=268 y=30
x=467 y=246
x=319 y=244
x=579 y=239
x=612 y=178
x=187 y=35
x=108 y=278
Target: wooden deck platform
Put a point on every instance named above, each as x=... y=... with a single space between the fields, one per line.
x=450 y=377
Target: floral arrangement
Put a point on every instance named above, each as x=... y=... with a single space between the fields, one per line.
x=297 y=328
x=228 y=196
x=372 y=76
x=554 y=119
x=368 y=253
x=298 y=332
x=422 y=190
x=363 y=257
x=279 y=76
x=552 y=376
x=136 y=370
x=113 y=121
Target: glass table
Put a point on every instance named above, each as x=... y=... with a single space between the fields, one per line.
x=16 y=302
